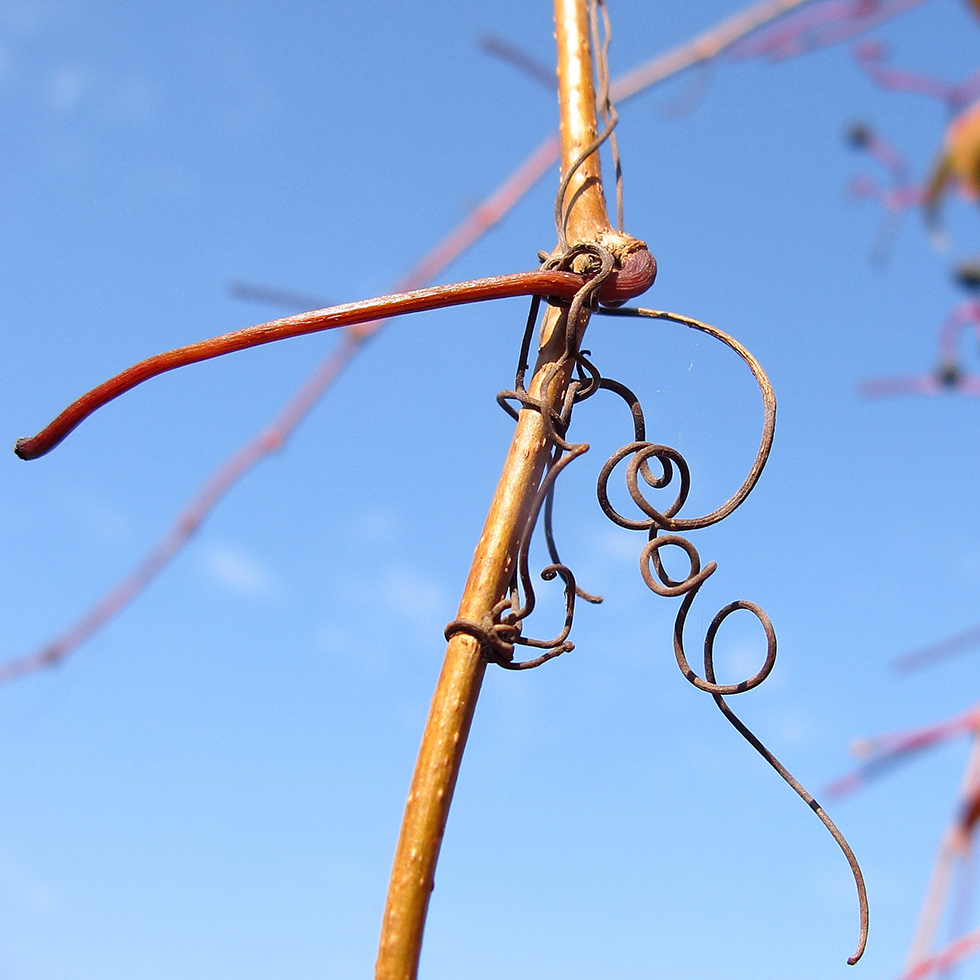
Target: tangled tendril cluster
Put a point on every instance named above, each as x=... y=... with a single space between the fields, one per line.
x=502 y=627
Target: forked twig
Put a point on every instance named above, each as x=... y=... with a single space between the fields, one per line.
x=821 y=24
x=954 y=846
x=886 y=751
x=955 y=952
x=871 y=57
x=948 y=376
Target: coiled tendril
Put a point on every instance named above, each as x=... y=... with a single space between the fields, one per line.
x=656 y=522
x=650 y=466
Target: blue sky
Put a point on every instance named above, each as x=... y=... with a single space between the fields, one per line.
x=212 y=787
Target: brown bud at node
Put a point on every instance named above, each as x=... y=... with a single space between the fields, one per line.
x=636 y=276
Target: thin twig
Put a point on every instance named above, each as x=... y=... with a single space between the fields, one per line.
x=946 y=958
x=960 y=642
x=704 y=48
x=274 y=296
x=270 y=440
x=953 y=846
x=884 y=752
x=521 y=60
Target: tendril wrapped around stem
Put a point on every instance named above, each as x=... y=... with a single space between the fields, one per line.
x=502 y=628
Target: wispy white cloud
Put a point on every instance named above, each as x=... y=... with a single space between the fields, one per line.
x=241 y=574
x=618 y=543
x=30 y=17
x=67 y=86
x=128 y=100
x=970 y=565
x=373 y=526
x=21 y=887
x=109 y=101
x=372 y=612
x=411 y=594
x=103 y=522
x=791 y=726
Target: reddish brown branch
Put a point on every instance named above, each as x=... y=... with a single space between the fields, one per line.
x=946 y=959
x=235 y=467
x=362 y=313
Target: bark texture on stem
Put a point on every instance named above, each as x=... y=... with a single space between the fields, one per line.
x=582 y=214
x=584 y=204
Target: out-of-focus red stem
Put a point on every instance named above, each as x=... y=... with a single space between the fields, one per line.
x=955 y=844
x=235 y=467
x=883 y=751
x=521 y=60
x=934 y=652
x=947 y=958
x=543 y=283
x=232 y=470
x=820 y=25
x=871 y=57
x=705 y=47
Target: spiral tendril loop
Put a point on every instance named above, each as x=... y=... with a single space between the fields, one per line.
x=651 y=466
x=660 y=582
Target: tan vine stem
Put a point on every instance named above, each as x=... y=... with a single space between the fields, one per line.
x=458 y=687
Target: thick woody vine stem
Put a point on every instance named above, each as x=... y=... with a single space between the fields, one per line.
x=458 y=687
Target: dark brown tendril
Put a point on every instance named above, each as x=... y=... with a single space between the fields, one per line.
x=666 y=520
x=501 y=628
x=549 y=536
x=600 y=44
x=657 y=580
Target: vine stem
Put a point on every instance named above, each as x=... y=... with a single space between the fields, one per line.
x=458 y=687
